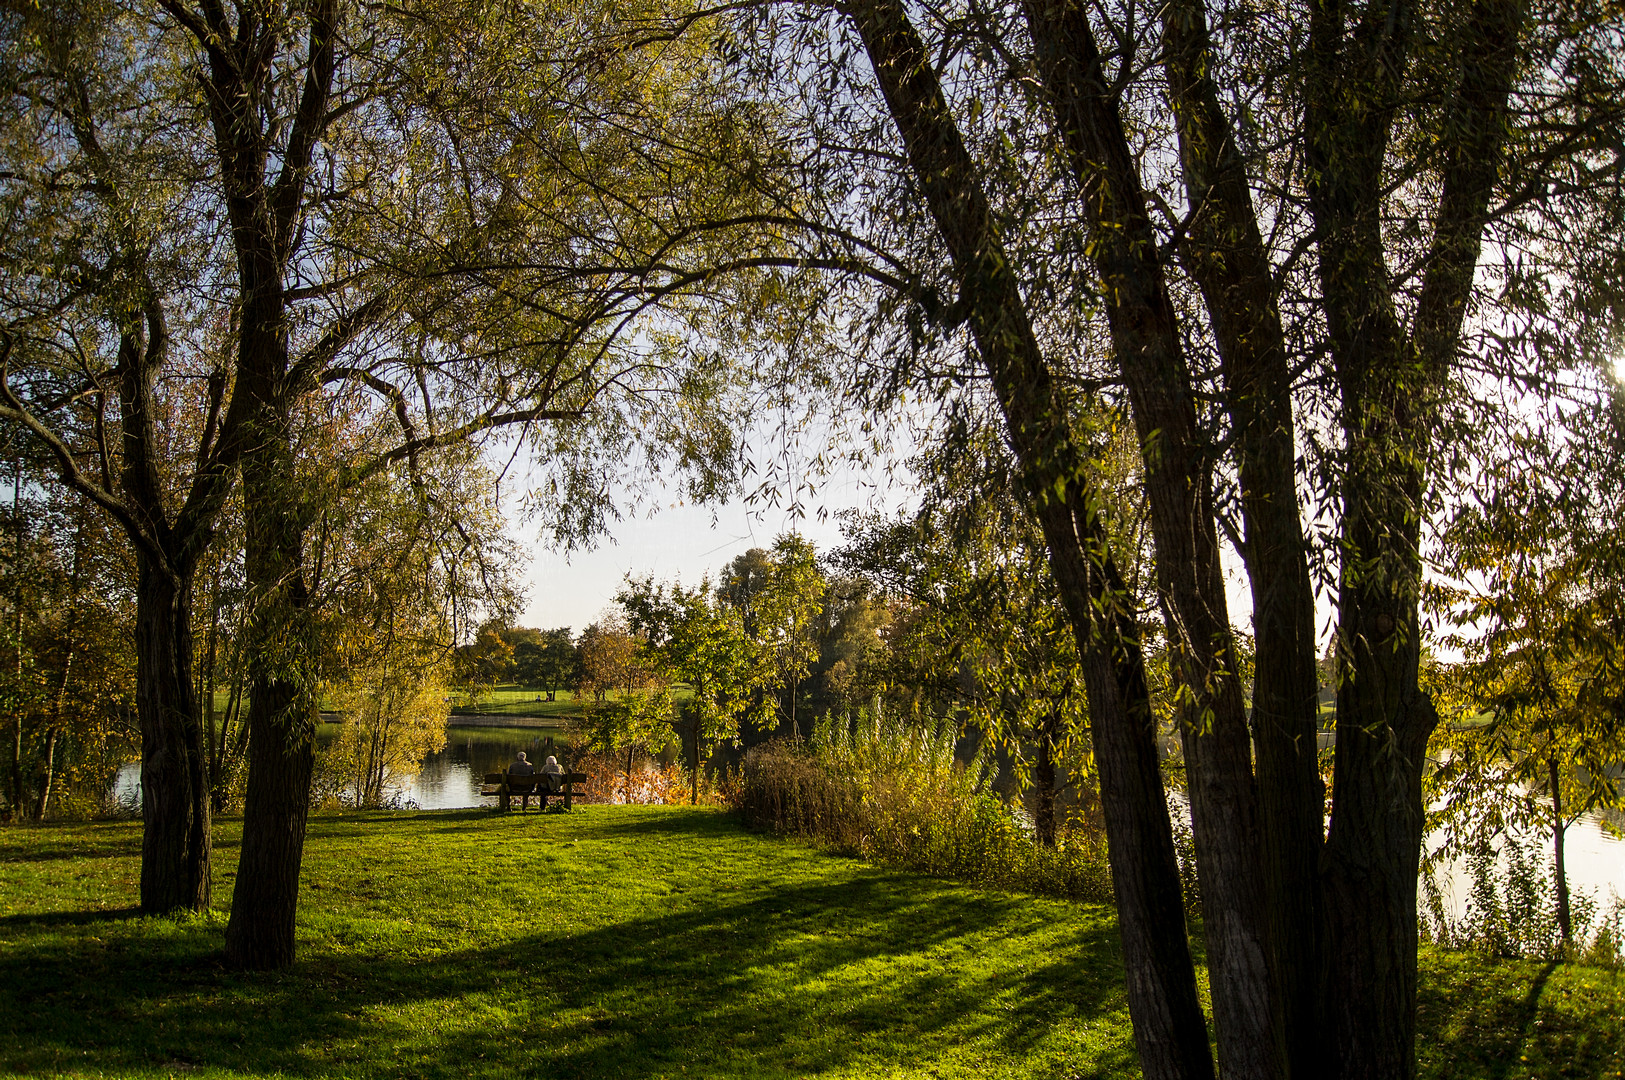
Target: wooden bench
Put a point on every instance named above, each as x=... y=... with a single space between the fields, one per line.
x=507 y=788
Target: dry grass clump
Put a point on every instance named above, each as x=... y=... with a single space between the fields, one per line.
x=889 y=789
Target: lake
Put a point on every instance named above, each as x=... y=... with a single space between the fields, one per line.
x=449 y=780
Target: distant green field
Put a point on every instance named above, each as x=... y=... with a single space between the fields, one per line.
x=513 y=700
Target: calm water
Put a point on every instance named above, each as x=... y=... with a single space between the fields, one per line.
x=448 y=780
x=1593 y=858
x=451 y=779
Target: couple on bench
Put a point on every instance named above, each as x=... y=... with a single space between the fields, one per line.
x=552 y=775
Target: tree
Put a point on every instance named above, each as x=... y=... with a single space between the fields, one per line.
x=547 y=663
x=1540 y=621
x=779 y=594
x=66 y=667
x=457 y=298
x=101 y=189
x=485 y=661
x=609 y=659
x=1423 y=132
x=695 y=637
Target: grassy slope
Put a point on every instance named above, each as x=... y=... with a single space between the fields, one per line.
x=631 y=943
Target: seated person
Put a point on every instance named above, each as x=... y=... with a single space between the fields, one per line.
x=553 y=773
x=522 y=766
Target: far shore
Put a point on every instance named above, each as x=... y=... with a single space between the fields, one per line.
x=499 y=720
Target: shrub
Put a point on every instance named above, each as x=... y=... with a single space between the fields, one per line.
x=1511 y=910
x=888 y=788
x=653 y=783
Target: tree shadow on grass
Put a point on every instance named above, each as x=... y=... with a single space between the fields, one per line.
x=1480 y=1016
x=875 y=974
x=68 y=918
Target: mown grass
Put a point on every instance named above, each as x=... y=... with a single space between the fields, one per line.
x=633 y=942
x=512 y=700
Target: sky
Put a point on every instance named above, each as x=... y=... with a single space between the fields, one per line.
x=685 y=542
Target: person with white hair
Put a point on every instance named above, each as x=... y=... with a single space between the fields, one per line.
x=522 y=767
x=553 y=772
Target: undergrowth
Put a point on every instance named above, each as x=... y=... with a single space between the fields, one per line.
x=888 y=788
x=1511 y=910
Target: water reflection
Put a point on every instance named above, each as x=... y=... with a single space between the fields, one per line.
x=451 y=779
x=448 y=780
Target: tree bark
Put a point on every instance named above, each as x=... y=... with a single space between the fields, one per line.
x=281 y=751
x=1170 y=1032
x=1565 y=918
x=176 y=847
x=1389 y=383
x=47 y=767
x=281 y=720
x=1225 y=255
x=1146 y=346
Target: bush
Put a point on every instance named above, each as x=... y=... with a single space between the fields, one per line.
x=1511 y=910
x=653 y=783
x=889 y=789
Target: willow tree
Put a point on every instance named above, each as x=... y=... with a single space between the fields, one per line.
x=432 y=217
x=1278 y=247
x=111 y=364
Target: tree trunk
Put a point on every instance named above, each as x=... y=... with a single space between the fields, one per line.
x=1225 y=255
x=1565 y=919
x=1147 y=348
x=176 y=848
x=1170 y=1031
x=45 y=780
x=1044 y=786
x=260 y=934
x=281 y=711
x=14 y=794
x=1373 y=854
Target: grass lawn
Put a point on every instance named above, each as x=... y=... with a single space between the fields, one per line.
x=510 y=700
x=632 y=942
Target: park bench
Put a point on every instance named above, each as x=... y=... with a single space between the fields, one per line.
x=507 y=788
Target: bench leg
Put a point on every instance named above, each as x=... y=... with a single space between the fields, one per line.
x=503 y=801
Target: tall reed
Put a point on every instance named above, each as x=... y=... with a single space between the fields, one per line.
x=888 y=787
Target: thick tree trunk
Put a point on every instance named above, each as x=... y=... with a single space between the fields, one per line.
x=1373 y=851
x=1146 y=345
x=1170 y=1032
x=260 y=934
x=176 y=848
x=1225 y=254
x=281 y=718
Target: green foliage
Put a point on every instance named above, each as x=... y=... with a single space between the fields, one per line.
x=394 y=715
x=1535 y=713
x=887 y=785
x=779 y=595
x=549 y=661
x=1512 y=911
x=692 y=636
x=67 y=661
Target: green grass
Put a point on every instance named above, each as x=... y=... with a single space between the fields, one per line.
x=518 y=701
x=634 y=942
x=513 y=700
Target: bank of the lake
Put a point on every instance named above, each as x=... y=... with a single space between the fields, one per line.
x=634 y=942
